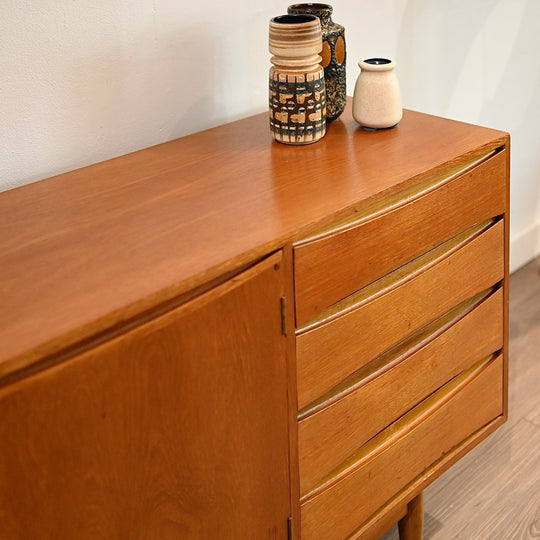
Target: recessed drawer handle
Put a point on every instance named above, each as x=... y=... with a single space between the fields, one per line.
x=326 y=354
x=332 y=267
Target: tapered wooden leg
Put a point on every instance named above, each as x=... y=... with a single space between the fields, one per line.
x=411 y=525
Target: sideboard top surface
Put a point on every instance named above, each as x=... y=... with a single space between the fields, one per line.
x=88 y=250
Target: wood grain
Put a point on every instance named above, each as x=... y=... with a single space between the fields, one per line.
x=412 y=445
x=380 y=524
x=411 y=525
x=338 y=430
x=502 y=496
x=420 y=483
x=158 y=433
x=332 y=351
x=494 y=491
x=92 y=249
x=332 y=267
x=146 y=389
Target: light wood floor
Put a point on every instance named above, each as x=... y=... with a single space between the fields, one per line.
x=494 y=492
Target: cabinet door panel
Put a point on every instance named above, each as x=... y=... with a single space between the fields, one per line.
x=175 y=429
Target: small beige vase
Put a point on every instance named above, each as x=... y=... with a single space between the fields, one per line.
x=297 y=97
x=377 y=98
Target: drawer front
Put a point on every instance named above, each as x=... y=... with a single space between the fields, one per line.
x=331 y=267
x=333 y=433
x=405 y=452
x=332 y=351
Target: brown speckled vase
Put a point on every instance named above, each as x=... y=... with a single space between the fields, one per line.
x=297 y=96
x=334 y=56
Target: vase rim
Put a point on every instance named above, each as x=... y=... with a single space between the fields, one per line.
x=377 y=64
x=293 y=19
x=377 y=61
x=314 y=6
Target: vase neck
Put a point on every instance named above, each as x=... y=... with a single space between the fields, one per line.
x=298 y=64
x=325 y=17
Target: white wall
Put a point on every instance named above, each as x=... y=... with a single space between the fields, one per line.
x=84 y=81
x=479 y=61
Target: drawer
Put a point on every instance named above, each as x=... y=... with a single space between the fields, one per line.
x=396 y=307
x=334 y=265
x=404 y=452
x=338 y=429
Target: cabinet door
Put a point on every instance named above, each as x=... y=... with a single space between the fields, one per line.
x=177 y=428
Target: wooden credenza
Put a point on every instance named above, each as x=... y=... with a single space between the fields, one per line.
x=222 y=337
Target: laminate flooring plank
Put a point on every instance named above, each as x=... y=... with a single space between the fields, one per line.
x=534 y=415
x=524 y=389
x=525 y=283
x=493 y=493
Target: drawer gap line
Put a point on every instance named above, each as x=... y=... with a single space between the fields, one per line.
x=417 y=485
x=397 y=277
x=393 y=356
x=403 y=425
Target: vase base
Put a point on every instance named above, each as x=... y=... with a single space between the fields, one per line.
x=297 y=143
x=379 y=129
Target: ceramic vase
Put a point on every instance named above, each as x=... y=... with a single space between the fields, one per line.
x=333 y=55
x=297 y=96
x=377 y=98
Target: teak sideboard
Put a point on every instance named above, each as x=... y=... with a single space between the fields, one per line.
x=222 y=337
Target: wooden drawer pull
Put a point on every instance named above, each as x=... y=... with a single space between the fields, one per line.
x=336 y=431
x=332 y=351
x=332 y=267
x=404 y=452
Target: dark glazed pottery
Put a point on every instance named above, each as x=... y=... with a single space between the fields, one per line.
x=333 y=55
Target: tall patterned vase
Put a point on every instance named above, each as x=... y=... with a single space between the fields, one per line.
x=333 y=54
x=297 y=95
